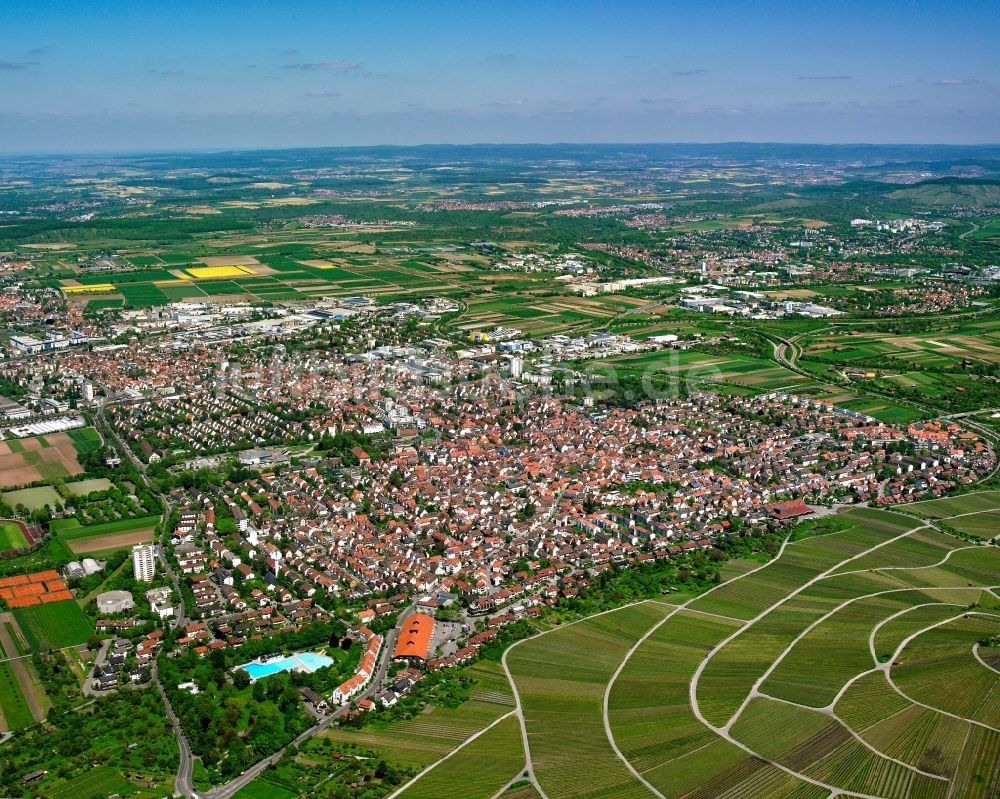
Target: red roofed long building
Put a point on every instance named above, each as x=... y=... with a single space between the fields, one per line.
x=414 y=642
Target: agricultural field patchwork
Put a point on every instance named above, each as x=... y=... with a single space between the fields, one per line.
x=314 y=271
x=924 y=350
x=29 y=460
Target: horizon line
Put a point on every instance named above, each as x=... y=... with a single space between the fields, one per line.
x=470 y=145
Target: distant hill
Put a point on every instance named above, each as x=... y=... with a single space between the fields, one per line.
x=950 y=191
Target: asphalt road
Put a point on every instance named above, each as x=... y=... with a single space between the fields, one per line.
x=183 y=785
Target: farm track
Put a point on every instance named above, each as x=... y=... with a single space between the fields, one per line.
x=887 y=668
x=725 y=730
x=453 y=752
x=977 y=656
x=24 y=678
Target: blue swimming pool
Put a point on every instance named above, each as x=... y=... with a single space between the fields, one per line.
x=300 y=661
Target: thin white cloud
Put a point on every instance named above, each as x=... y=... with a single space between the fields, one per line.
x=336 y=65
x=958 y=82
x=825 y=77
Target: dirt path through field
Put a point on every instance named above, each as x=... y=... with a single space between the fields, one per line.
x=20 y=667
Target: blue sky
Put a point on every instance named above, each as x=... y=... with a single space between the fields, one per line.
x=137 y=75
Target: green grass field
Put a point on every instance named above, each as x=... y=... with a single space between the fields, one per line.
x=54 y=625
x=11 y=536
x=81 y=488
x=16 y=713
x=71 y=529
x=264 y=788
x=33 y=498
x=85 y=439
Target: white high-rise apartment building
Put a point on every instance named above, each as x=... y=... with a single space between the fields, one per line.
x=144 y=562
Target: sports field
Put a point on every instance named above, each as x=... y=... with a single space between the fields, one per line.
x=11 y=536
x=829 y=671
x=36 y=588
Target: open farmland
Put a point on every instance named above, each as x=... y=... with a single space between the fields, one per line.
x=496 y=758
x=733 y=693
x=317 y=268
x=954 y=507
x=85 y=439
x=53 y=625
x=982 y=344
x=109 y=542
x=105 y=537
x=757 y=374
x=28 y=460
x=539 y=315
x=14 y=710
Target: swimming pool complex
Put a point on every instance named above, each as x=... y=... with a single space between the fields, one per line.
x=299 y=661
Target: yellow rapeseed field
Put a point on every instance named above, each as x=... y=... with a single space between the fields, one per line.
x=101 y=288
x=218 y=271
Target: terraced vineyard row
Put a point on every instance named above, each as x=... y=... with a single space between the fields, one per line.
x=846 y=667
